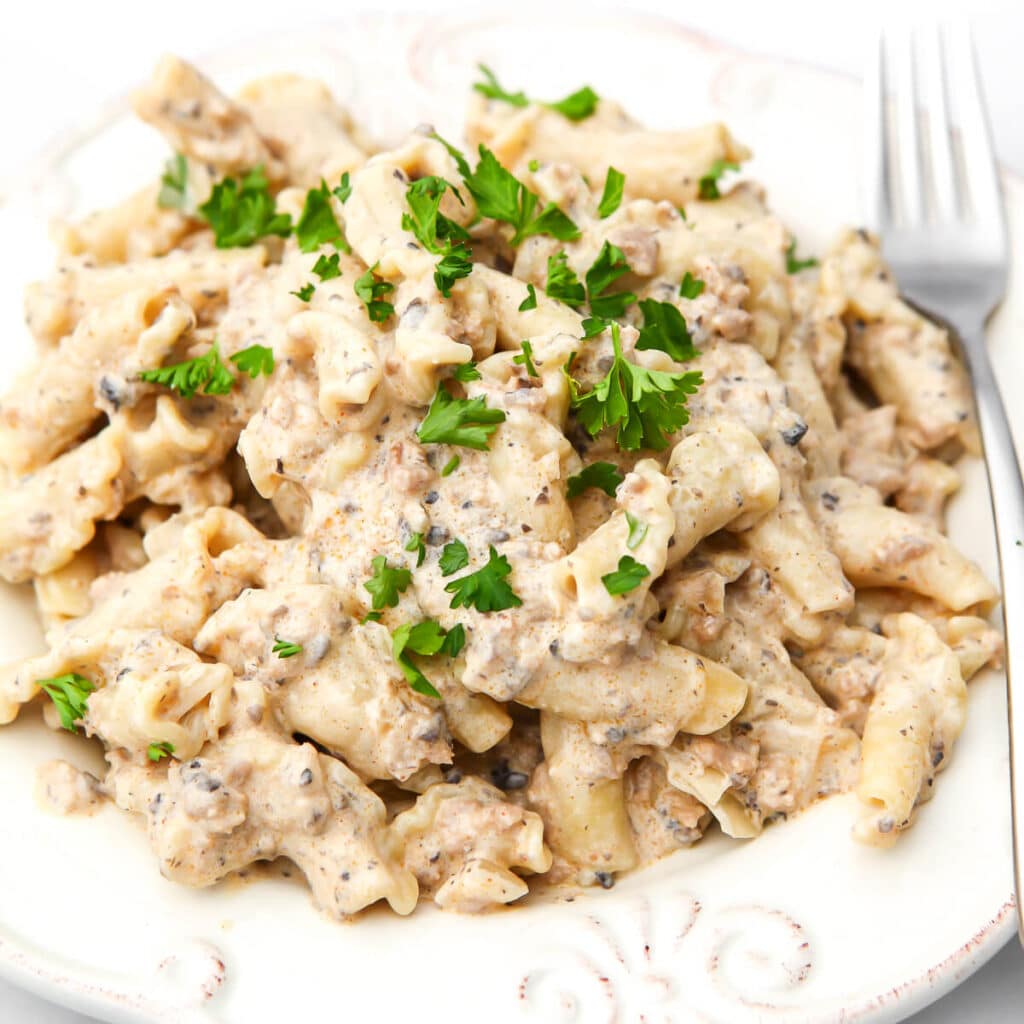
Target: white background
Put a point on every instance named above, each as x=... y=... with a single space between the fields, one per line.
x=60 y=60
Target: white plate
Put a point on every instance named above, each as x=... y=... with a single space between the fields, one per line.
x=801 y=925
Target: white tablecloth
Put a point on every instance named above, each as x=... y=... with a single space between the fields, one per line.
x=62 y=58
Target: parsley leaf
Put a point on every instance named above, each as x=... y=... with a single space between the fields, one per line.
x=371 y=292
x=530 y=302
x=455 y=153
x=454 y=556
x=285 y=648
x=690 y=287
x=451 y=465
x=627 y=577
x=317 y=225
x=156 y=751
x=603 y=475
x=502 y=196
x=242 y=213
x=436 y=232
x=343 y=189
x=562 y=282
x=465 y=372
x=708 y=184
x=415 y=543
x=205 y=372
x=637 y=532
x=485 y=589
x=609 y=266
x=70 y=694
x=491 y=88
x=643 y=404
x=371 y=617
x=592 y=326
x=578 y=105
x=386 y=583
x=327 y=267
x=793 y=265
x=255 y=360
x=305 y=292
x=173 y=194
x=665 y=329
x=454 y=640
x=462 y=421
x=425 y=638
x=525 y=358
x=611 y=198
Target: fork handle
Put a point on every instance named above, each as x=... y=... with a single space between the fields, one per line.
x=1007 y=492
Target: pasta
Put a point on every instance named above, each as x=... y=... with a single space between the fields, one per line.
x=453 y=524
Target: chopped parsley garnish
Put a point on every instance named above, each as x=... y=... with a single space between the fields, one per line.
x=305 y=292
x=708 y=184
x=415 y=543
x=157 y=751
x=255 y=360
x=611 y=198
x=455 y=153
x=285 y=648
x=637 y=532
x=343 y=189
x=690 y=287
x=386 y=583
x=486 y=589
x=609 y=266
x=454 y=556
x=562 y=282
x=451 y=465
x=437 y=233
x=465 y=372
x=603 y=475
x=70 y=695
x=793 y=265
x=525 y=358
x=644 y=405
x=240 y=213
x=317 y=224
x=502 y=196
x=206 y=373
x=627 y=577
x=173 y=194
x=576 y=106
x=533 y=166
x=425 y=638
x=665 y=329
x=371 y=292
x=371 y=617
x=462 y=421
x=327 y=267
x=530 y=302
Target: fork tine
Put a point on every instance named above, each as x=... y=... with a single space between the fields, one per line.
x=877 y=206
x=944 y=179
x=908 y=141
x=982 y=179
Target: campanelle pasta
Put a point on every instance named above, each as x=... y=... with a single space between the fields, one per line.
x=447 y=530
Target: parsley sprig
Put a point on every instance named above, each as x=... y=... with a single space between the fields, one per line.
x=665 y=329
x=427 y=639
x=576 y=106
x=437 y=233
x=643 y=405
x=626 y=577
x=525 y=359
x=607 y=268
x=603 y=475
x=242 y=212
x=708 y=184
x=70 y=695
x=371 y=291
x=690 y=287
x=208 y=374
x=386 y=583
x=463 y=421
x=156 y=751
x=416 y=544
x=486 y=589
x=317 y=224
x=611 y=198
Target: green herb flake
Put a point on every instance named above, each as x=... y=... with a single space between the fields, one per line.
x=454 y=556
x=486 y=589
x=206 y=373
x=603 y=475
x=525 y=358
x=317 y=224
x=327 y=267
x=285 y=648
x=690 y=287
x=530 y=302
x=157 y=751
x=173 y=194
x=794 y=265
x=493 y=90
x=578 y=105
x=70 y=695
x=637 y=532
x=415 y=543
x=611 y=198
x=343 y=189
x=241 y=213
x=255 y=360
x=562 y=282
x=609 y=266
x=708 y=184
x=451 y=465
x=665 y=329
x=465 y=372
x=371 y=291
x=467 y=422
x=627 y=577
x=386 y=583
x=305 y=293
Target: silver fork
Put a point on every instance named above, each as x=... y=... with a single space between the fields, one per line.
x=938 y=208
